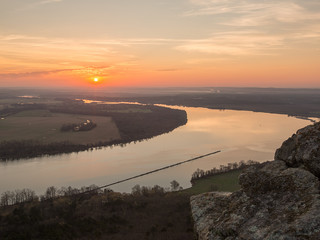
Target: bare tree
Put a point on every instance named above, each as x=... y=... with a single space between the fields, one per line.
x=7 y=198
x=51 y=192
x=174 y=185
x=136 y=190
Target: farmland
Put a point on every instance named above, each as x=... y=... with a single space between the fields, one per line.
x=44 y=126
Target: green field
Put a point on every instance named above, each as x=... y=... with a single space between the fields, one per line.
x=224 y=182
x=45 y=126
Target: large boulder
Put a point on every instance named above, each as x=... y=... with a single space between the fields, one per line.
x=302 y=149
x=277 y=200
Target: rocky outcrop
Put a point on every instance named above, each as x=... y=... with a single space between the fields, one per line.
x=277 y=200
x=302 y=149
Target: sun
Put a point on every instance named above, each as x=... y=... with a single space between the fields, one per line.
x=96 y=79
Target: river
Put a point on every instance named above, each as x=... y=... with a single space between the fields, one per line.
x=240 y=135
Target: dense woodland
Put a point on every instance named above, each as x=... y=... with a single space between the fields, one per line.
x=142 y=123
x=147 y=213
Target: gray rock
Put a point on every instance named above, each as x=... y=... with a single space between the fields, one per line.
x=277 y=200
x=302 y=149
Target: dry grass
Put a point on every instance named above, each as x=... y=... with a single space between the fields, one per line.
x=45 y=126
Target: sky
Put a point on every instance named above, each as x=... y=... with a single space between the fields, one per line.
x=160 y=43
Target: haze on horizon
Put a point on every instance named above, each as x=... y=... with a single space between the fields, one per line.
x=160 y=43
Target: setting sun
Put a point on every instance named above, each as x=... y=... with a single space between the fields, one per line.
x=96 y=80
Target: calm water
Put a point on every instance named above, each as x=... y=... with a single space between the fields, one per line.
x=240 y=135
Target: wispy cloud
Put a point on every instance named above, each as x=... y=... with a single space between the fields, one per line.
x=253 y=13
x=235 y=43
x=26 y=56
x=255 y=27
x=32 y=74
x=49 y=1
x=30 y=6
x=102 y=71
x=168 y=70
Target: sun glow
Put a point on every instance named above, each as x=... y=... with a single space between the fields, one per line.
x=96 y=79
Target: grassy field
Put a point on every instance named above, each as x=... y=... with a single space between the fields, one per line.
x=45 y=126
x=225 y=182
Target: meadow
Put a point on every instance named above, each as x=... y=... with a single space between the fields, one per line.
x=223 y=182
x=44 y=126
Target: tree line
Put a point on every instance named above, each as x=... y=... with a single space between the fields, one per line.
x=199 y=173
x=110 y=215
x=27 y=195
x=138 y=190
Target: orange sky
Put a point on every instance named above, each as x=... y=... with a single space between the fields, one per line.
x=146 y=43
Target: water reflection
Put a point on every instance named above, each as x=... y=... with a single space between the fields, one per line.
x=240 y=135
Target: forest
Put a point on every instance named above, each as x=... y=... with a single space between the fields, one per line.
x=146 y=213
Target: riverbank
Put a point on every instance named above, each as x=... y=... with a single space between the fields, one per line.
x=31 y=130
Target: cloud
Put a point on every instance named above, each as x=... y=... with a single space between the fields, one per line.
x=37 y=4
x=30 y=6
x=86 y=70
x=235 y=43
x=18 y=37
x=168 y=70
x=255 y=27
x=32 y=74
x=254 y=13
x=102 y=71
x=55 y=49
x=49 y=1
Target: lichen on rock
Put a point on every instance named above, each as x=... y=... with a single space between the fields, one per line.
x=278 y=199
